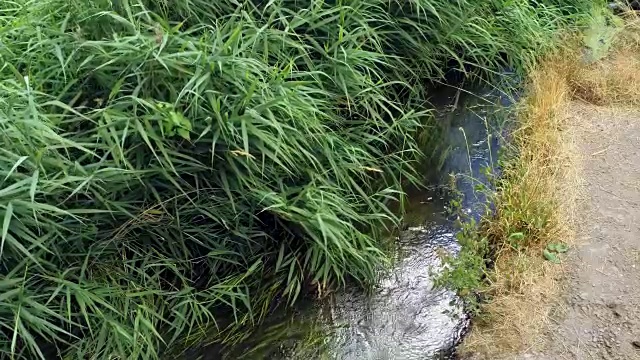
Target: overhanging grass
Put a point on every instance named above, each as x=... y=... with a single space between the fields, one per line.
x=169 y=168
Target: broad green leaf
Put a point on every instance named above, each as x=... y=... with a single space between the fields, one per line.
x=551 y=257
x=562 y=248
x=184 y=133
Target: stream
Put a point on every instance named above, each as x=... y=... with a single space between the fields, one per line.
x=403 y=317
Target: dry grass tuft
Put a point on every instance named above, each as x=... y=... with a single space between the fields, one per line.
x=534 y=198
x=614 y=80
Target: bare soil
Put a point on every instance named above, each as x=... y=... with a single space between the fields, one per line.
x=599 y=317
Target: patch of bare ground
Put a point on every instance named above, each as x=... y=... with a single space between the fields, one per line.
x=601 y=308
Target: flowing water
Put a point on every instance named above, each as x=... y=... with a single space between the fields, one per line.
x=403 y=317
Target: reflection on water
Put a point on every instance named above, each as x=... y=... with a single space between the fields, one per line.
x=403 y=317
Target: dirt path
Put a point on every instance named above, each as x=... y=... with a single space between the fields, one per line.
x=600 y=317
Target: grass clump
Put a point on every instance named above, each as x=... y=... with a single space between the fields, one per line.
x=173 y=170
x=614 y=79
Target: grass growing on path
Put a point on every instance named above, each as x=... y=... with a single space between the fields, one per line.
x=174 y=170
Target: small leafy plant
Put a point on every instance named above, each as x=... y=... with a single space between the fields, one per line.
x=552 y=251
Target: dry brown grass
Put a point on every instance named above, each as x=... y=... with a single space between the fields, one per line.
x=538 y=192
x=614 y=80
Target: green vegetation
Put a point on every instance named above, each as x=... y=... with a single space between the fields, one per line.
x=171 y=171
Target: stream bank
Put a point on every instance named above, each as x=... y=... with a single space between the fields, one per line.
x=557 y=265
x=593 y=312
x=404 y=316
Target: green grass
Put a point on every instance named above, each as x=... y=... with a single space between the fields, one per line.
x=173 y=170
